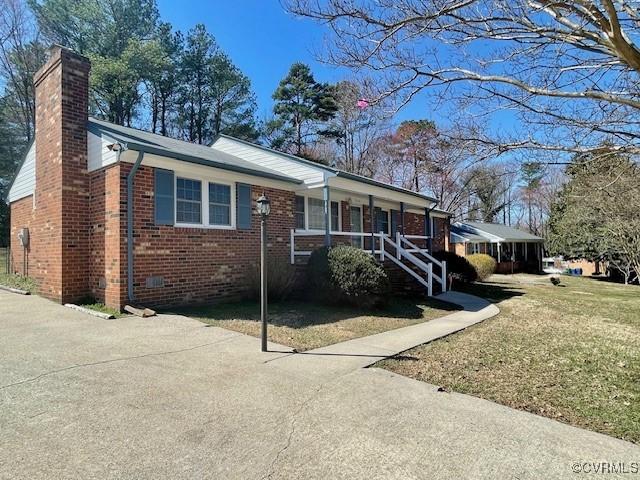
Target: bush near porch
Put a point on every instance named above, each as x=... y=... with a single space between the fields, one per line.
x=347 y=275
x=484 y=265
x=568 y=352
x=458 y=267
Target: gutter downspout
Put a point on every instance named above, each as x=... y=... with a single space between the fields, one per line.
x=130 y=177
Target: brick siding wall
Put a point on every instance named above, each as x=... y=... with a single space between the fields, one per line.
x=440 y=234
x=197 y=265
x=59 y=250
x=108 y=267
x=22 y=216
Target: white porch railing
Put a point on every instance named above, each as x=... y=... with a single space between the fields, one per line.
x=402 y=240
x=405 y=251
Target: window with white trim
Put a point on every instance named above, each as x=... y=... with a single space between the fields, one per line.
x=188 y=201
x=299 y=212
x=219 y=204
x=316 y=214
x=335 y=216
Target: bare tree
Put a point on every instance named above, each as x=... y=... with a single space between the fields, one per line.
x=569 y=69
x=357 y=130
x=421 y=157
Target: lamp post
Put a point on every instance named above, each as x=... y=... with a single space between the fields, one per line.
x=263 y=206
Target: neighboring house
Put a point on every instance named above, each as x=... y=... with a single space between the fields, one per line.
x=574 y=266
x=514 y=249
x=125 y=216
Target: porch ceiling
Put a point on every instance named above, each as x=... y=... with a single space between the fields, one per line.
x=381 y=196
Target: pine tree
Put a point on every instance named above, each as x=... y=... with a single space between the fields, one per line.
x=302 y=109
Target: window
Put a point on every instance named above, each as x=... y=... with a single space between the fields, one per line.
x=316 y=214
x=188 y=201
x=382 y=221
x=299 y=213
x=219 y=204
x=335 y=216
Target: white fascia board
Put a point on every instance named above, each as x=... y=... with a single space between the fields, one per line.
x=379 y=192
x=462 y=239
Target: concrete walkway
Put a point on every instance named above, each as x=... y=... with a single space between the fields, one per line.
x=172 y=398
x=343 y=357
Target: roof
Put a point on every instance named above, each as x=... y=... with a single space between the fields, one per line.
x=335 y=171
x=491 y=232
x=153 y=143
x=465 y=236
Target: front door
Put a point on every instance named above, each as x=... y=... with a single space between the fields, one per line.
x=356 y=226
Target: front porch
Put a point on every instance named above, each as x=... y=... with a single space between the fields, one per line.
x=329 y=216
x=396 y=227
x=512 y=257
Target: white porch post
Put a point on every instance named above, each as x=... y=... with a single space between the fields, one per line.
x=293 y=247
x=427 y=227
x=327 y=216
x=372 y=222
x=498 y=252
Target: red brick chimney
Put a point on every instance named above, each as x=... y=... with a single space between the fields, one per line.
x=61 y=216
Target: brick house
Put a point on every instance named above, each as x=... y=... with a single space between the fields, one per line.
x=513 y=249
x=124 y=215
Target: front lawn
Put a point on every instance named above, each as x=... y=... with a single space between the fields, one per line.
x=571 y=353
x=306 y=325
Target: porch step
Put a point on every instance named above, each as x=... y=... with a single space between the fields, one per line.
x=401 y=282
x=404 y=284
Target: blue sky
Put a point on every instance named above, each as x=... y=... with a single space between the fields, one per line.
x=263 y=41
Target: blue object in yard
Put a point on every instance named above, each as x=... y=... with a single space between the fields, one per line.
x=579 y=271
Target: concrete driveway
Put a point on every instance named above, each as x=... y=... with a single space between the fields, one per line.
x=169 y=397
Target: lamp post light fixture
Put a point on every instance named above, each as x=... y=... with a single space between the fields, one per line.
x=263 y=206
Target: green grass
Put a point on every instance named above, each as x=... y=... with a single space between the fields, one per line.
x=570 y=352
x=101 y=307
x=306 y=325
x=3 y=259
x=17 y=281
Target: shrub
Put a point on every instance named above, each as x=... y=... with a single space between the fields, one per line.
x=458 y=267
x=281 y=279
x=318 y=275
x=485 y=265
x=349 y=275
